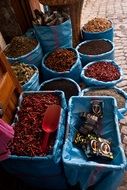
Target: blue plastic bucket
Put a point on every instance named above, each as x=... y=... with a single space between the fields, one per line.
x=41 y=172
x=85 y=58
x=76 y=166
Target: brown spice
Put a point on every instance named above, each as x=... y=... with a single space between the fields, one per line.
x=20 y=45
x=95 y=47
x=61 y=60
x=108 y=92
x=23 y=72
x=97 y=25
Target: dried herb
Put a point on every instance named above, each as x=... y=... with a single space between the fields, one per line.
x=23 y=72
x=20 y=45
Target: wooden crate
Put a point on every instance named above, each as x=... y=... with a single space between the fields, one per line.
x=10 y=89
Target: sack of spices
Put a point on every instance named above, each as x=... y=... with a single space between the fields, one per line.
x=104 y=73
x=98 y=28
x=93 y=50
x=53 y=30
x=27 y=160
x=62 y=62
x=27 y=75
x=119 y=94
x=24 y=49
x=96 y=159
x=67 y=85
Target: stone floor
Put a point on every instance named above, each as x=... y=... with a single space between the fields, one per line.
x=116 y=11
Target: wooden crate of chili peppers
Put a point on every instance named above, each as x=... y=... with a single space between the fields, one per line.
x=27 y=159
x=9 y=89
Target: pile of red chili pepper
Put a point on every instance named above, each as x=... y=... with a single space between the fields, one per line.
x=102 y=71
x=61 y=60
x=28 y=129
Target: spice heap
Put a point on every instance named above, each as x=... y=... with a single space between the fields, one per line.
x=50 y=18
x=97 y=25
x=95 y=47
x=108 y=92
x=20 y=45
x=88 y=139
x=23 y=72
x=28 y=129
x=102 y=71
x=61 y=60
x=64 y=85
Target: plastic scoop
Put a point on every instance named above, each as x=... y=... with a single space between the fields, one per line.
x=50 y=123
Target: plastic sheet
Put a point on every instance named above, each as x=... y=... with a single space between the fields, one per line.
x=77 y=168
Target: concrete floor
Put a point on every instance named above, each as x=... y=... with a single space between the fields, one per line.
x=116 y=11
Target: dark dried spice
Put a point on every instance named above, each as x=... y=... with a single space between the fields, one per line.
x=20 y=45
x=108 y=92
x=61 y=60
x=95 y=47
x=102 y=71
x=28 y=129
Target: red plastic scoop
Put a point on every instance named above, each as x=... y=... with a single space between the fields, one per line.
x=50 y=123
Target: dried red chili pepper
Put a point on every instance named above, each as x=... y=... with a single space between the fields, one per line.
x=28 y=130
x=102 y=71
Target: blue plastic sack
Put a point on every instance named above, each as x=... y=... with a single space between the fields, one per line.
x=85 y=59
x=33 y=83
x=120 y=91
x=93 y=82
x=52 y=37
x=62 y=88
x=107 y=34
x=73 y=73
x=42 y=172
x=76 y=166
x=34 y=57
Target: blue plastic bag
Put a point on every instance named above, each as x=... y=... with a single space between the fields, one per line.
x=34 y=57
x=73 y=73
x=76 y=166
x=107 y=34
x=85 y=59
x=120 y=91
x=47 y=171
x=33 y=83
x=52 y=37
x=94 y=82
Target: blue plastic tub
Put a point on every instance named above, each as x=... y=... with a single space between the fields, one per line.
x=107 y=34
x=76 y=166
x=73 y=73
x=94 y=82
x=85 y=58
x=48 y=85
x=42 y=172
x=34 y=57
x=118 y=90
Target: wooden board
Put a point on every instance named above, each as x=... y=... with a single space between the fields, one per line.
x=10 y=89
